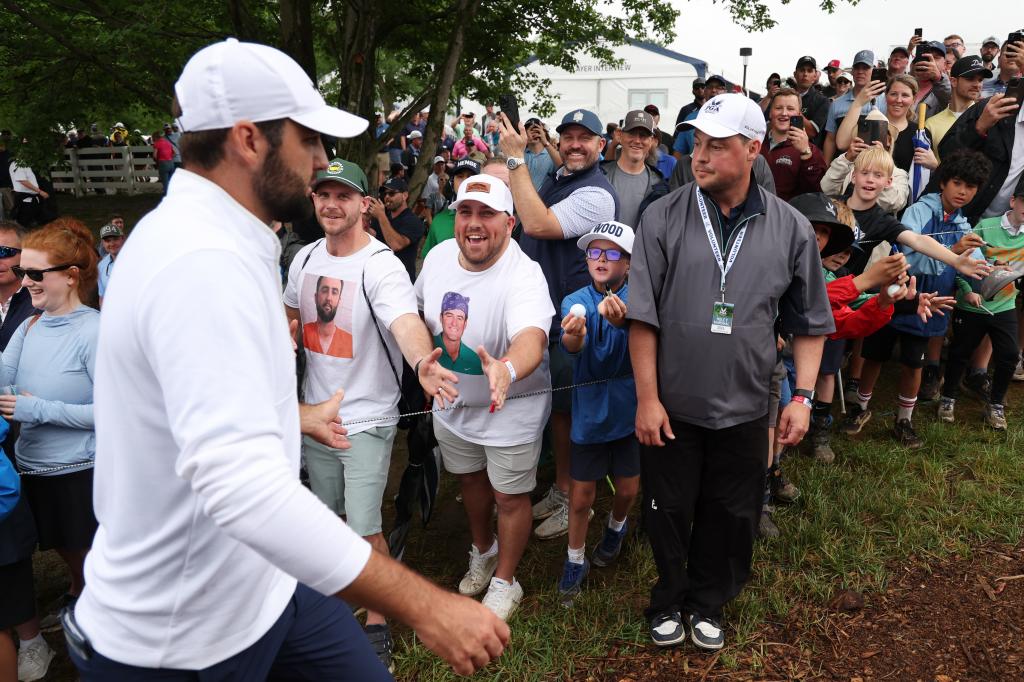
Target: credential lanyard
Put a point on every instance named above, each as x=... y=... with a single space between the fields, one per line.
x=723 y=266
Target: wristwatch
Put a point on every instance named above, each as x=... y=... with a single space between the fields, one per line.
x=515 y=162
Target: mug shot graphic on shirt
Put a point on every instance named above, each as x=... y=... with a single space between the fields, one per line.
x=457 y=356
x=327 y=305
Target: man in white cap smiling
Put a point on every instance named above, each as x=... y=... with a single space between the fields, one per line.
x=211 y=560
x=713 y=265
x=481 y=292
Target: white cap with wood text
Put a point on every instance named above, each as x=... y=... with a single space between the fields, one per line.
x=230 y=81
x=730 y=114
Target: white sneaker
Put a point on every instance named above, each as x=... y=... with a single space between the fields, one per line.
x=34 y=660
x=556 y=525
x=548 y=504
x=481 y=568
x=503 y=598
x=1018 y=374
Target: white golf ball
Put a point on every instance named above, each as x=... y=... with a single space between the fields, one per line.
x=893 y=290
x=578 y=310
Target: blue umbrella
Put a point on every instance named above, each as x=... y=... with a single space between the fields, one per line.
x=919 y=175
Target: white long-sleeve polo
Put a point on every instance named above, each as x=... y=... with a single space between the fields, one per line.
x=204 y=526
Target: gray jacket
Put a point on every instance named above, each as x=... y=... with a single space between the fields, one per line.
x=683 y=174
x=715 y=380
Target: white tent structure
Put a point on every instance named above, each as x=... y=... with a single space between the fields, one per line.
x=647 y=74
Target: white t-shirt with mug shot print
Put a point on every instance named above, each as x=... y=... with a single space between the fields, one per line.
x=510 y=296
x=363 y=371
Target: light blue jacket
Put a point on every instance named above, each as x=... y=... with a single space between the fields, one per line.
x=54 y=362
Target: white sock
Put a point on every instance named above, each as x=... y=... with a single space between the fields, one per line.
x=615 y=525
x=576 y=555
x=863 y=400
x=29 y=642
x=905 y=407
x=492 y=551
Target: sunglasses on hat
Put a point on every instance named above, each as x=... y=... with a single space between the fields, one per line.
x=37 y=275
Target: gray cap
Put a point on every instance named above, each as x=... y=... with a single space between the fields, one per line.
x=638 y=119
x=864 y=57
x=991 y=39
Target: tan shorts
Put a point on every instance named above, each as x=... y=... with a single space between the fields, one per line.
x=511 y=469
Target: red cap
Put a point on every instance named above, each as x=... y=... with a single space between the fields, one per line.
x=834 y=64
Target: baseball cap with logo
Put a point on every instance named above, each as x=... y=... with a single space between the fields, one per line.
x=343 y=172
x=110 y=230
x=832 y=65
x=807 y=60
x=717 y=78
x=819 y=209
x=970 y=65
x=231 y=81
x=437 y=159
x=486 y=189
x=614 y=231
x=415 y=135
x=937 y=46
x=396 y=185
x=727 y=115
x=638 y=119
x=991 y=40
x=466 y=166
x=864 y=57
x=581 y=117
x=844 y=74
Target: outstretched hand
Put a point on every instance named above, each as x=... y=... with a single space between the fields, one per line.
x=322 y=423
x=497 y=375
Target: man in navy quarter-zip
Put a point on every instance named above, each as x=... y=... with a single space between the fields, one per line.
x=714 y=263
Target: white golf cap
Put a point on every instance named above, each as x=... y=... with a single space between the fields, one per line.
x=232 y=81
x=613 y=231
x=730 y=114
x=486 y=189
x=438 y=159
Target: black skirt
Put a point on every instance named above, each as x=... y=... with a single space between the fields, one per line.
x=62 y=508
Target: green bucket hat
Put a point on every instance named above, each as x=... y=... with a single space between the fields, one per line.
x=346 y=172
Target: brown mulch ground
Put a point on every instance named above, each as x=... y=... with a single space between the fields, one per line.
x=953 y=620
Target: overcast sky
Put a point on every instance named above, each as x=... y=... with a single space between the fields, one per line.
x=706 y=31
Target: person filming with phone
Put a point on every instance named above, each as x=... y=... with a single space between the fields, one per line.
x=797 y=164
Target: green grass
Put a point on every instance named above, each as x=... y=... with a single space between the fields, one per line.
x=876 y=506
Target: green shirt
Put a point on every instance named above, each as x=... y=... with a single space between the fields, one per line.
x=1000 y=246
x=442 y=227
x=468 y=362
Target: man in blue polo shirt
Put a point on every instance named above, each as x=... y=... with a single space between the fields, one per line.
x=863 y=62
x=568 y=205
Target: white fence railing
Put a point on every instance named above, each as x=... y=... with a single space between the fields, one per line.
x=106 y=170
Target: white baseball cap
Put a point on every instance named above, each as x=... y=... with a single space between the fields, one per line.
x=486 y=189
x=730 y=114
x=232 y=81
x=613 y=231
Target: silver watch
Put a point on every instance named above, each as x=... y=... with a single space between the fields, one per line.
x=515 y=162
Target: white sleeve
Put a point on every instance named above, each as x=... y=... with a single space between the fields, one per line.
x=291 y=289
x=418 y=286
x=389 y=288
x=529 y=305
x=579 y=212
x=216 y=376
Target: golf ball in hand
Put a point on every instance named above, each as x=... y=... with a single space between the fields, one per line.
x=578 y=310
x=893 y=290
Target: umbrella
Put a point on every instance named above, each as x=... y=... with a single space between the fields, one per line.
x=919 y=174
x=419 y=484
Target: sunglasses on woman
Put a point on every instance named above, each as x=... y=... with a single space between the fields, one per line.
x=8 y=251
x=37 y=275
x=611 y=254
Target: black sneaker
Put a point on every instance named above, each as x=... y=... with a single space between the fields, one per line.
x=383 y=645
x=610 y=546
x=905 y=434
x=821 y=433
x=781 y=489
x=979 y=384
x=856 y=418
x=931 y=384
x=667 y=629
x=706 y=633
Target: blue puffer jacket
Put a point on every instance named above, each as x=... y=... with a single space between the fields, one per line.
x=926 y=216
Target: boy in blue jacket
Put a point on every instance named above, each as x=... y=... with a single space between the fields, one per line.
x=940 y=217
x=603 y=414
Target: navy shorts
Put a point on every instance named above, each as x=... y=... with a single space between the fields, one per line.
x=316 y=638
x=620 y=458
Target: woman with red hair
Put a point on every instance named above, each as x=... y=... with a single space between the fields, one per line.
x=48 y=369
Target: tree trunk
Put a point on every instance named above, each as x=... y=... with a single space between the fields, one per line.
x=463 y=14
x=297 y=34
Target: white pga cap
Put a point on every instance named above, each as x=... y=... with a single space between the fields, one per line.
x=486 y=189
x=730 y=114
x=232 y=81
x=613 y=231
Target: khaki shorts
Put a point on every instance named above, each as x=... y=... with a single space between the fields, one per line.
x=511 y=469
x=351 y=482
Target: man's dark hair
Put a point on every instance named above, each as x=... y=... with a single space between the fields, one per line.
x=12 y=226
x=205 y=148
x=969 y=166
